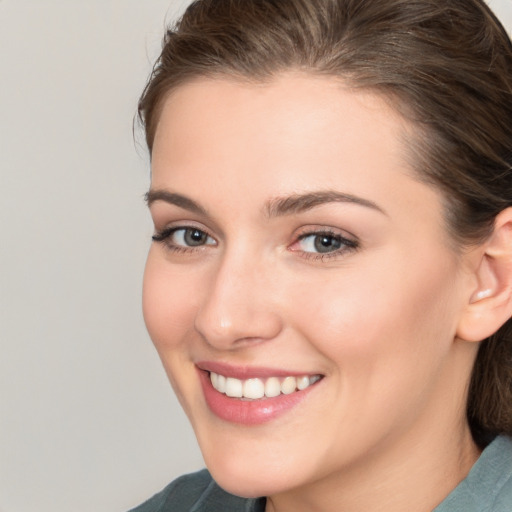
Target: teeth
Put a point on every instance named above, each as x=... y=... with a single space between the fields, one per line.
x=302 y=383
x=272 y=387
x=288 y=385
x=255 y=389
x=234 y=387
x=221 y=384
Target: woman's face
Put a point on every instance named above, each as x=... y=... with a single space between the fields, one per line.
x=295 y=249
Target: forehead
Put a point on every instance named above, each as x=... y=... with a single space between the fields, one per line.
x=285 y=93
x=294 y=112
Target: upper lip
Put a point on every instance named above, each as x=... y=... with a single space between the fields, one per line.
x=244 y=372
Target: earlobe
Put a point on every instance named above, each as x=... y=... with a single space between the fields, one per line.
x=490 y=304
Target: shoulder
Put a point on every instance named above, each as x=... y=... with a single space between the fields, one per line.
x=501 y=468
x=488 y=487
x=197 y=492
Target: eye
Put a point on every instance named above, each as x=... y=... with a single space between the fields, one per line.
x=190 y=237
x=323 y=243
x=184 y=237
x=320 y=243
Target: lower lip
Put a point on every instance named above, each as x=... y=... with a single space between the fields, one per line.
x=248 y=412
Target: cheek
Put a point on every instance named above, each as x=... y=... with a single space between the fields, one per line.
x=168 y=302
x=382 y=316
x=386 y=339
x=168 y=305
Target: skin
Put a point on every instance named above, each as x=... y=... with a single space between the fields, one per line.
x=385 y=428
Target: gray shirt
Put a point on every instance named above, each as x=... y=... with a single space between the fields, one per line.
x=487 y=488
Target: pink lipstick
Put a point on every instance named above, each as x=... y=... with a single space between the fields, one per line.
x=252 y=395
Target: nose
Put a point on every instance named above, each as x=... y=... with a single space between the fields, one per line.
x=238 y=306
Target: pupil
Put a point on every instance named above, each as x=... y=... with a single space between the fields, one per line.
x=326 y=243
x=194 y=237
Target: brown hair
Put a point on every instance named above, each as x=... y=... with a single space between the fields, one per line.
x=445 y=65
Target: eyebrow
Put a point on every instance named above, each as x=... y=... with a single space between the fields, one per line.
x=298 y=203
x=176 y=199
x=277 y=207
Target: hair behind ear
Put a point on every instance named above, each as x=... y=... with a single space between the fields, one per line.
x=490 y=392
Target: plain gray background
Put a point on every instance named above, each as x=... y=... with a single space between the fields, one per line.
x=88 y=422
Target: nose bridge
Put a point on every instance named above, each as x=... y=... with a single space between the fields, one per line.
x=237 y=305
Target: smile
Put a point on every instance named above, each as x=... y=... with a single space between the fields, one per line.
x=256 y=388
x=252 y=395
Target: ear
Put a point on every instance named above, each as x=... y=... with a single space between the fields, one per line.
x=490 y=304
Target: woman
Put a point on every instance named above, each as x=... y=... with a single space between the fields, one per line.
x=330 y=283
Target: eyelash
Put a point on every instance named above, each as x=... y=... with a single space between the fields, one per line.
x=346 y=244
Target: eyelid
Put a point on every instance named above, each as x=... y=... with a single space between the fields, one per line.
x=181 y=224
x=326 y=230
x=164 y=214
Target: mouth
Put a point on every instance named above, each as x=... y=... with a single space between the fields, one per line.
x=257 y=388
x=252 y=396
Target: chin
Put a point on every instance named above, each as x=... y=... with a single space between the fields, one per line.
x=250 y=484
x=257 y=475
